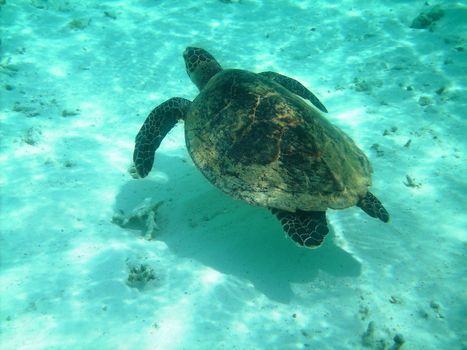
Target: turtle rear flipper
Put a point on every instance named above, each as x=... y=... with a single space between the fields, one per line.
x=373 y=207
x=307 y=228
x=296 y=87
x=158 y=123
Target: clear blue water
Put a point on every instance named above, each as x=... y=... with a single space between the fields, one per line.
x=91 y=258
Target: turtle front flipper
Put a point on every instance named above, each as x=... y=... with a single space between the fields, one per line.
x=373 y=207
x=307 y=228
x=158 y=123
x=296 y=87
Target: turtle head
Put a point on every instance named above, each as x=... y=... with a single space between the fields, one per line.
x=200 y=66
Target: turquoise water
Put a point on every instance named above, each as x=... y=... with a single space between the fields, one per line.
x=91 y=258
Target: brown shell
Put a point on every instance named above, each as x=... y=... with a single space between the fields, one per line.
x=258 y=142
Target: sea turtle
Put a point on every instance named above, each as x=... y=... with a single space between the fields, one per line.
x=255 y=137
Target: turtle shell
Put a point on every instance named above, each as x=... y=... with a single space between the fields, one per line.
x=257 y=141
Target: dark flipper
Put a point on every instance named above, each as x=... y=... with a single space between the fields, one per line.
x=307 y=228
x=373 y=207
x=156 y=126
x=295 y=87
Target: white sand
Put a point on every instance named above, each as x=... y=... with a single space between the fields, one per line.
x=79 y=80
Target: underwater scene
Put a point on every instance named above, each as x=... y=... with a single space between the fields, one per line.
x=233 y=174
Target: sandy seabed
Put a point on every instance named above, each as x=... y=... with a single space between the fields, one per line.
x=77 y=270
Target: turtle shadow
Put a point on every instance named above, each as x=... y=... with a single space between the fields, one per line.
x=201 y=223
x=248 y=243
